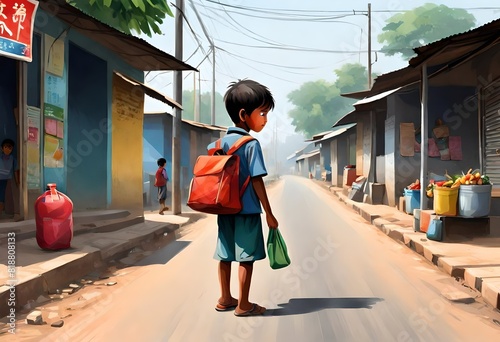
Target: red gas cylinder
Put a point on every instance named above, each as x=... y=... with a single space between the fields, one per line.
x=54 y=219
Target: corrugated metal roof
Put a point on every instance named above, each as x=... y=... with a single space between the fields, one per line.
x=447 y=51
x=135 y=51
x=478 y=34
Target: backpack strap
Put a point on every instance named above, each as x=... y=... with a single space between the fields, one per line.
x=217 y=150
x=240 y=142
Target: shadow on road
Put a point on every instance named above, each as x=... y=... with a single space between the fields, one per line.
x=163 y=255
x=297 y=306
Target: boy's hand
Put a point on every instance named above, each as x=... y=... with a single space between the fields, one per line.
x=272 y=223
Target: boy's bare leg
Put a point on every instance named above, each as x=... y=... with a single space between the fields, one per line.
x=245 y=277
x=225 y=281
x=162 y=206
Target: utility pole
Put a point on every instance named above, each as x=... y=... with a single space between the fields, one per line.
x=213 y=85
x=212 y=46
x=177 y=118
x=369 y=45
x=195 y=100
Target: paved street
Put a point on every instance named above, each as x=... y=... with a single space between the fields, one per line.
x=347 y=282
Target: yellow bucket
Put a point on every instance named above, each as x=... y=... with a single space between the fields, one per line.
x=445 y=201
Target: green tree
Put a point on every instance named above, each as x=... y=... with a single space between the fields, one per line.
x=421 y=26
x=221 y=116
x=318 y=104
x=126 y=15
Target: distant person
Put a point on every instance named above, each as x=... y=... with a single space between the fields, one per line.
x=161 y=179
x=240 y=236
x=8 y=169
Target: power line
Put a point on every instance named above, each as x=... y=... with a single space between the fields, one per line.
x=290 y=48
x=286 y=10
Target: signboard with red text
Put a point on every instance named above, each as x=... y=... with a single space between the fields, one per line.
x=16 y=28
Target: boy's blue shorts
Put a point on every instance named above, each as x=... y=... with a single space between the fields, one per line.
x=162 y=192
x=240 y=238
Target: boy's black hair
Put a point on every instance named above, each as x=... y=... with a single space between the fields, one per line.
x=161 y=162
x=248 y=95
x=8 y=142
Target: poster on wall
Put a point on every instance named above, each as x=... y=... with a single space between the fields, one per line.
x=33 y=148
x=55 y=97
x=55 y=102
x=55 y=55
x=17 y=18
x=53 y=155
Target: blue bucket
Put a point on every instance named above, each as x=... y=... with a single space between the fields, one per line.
x=474 y=200
x=412 y=200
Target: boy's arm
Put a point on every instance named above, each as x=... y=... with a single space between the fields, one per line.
x=260 y=190
x=16 y=172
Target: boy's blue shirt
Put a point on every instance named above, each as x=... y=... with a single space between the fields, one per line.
x=7 y=166
x=251 y=164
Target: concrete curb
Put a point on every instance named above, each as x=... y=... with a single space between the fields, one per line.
x=102 y=222
x=477 y=274
x=89 y=251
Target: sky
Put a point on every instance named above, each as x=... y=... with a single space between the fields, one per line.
x=283 y=44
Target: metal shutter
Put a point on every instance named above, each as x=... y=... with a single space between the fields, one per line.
x=491 y=96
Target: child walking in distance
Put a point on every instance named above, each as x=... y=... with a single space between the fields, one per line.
x=161 y=179
x=240 y=236
x=8 y=169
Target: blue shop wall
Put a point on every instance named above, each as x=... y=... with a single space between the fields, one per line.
x=86 y=157
x=157 y=143
x=89 y=67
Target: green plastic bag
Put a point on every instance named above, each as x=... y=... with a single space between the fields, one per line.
x=276 y=250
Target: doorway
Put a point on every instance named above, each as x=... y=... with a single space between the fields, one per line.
x=87 y=155
x=9 y=196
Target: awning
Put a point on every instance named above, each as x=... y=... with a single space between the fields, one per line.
x=376 y=97
x=204 y=125
x=363 y=106
x=151 y=92
x=308 y=155
x=193 y=123
x=346 y=119
x=135 y=51
x=318 y=136
x=338 y=131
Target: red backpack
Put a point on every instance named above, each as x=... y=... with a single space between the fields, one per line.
x=215 y=185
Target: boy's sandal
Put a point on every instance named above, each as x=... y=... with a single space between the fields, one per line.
x=221 y=307
x=256 y=310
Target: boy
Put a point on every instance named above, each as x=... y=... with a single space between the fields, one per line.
x=8 y=169
x=161 y=179
x=240 y=235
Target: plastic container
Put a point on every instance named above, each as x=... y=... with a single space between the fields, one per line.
x=474 y=200
x=416 y=220
x=349 y=175
x=54 y=219
x=412 y=200
x=445 y=201
x=435 y=230
x=425 y=219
